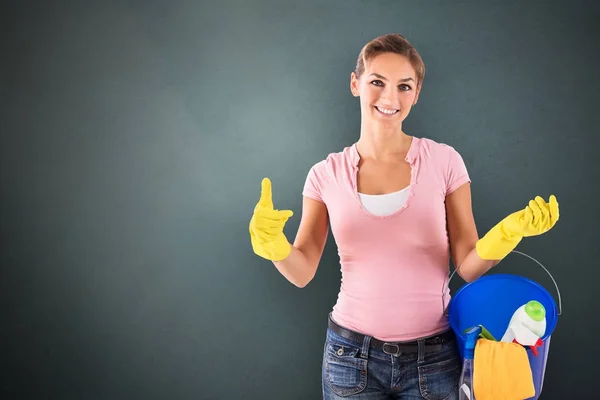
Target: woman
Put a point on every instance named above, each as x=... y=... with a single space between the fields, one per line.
x=399 y=208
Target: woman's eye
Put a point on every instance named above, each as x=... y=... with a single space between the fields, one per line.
x=377 y=82
x=404 y=87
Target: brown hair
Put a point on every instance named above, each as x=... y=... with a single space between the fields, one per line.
x=390 y=43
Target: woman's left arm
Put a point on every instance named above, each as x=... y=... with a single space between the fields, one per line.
x=463 y=235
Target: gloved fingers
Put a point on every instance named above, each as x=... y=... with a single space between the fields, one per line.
x=525 y=218
x=545 y=219
x=537 y=212
x=268 y=226
x=528 y=215
x=273 y=215
x=265 y=222
x=554 y=212
x=285 y=214
x=264 y=237
x=266 y=196
x=271 y=231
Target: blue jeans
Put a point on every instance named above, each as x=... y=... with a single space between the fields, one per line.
x=358 y=371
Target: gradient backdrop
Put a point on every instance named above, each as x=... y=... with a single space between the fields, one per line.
x=134 y=136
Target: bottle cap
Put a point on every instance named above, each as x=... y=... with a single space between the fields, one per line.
x=471 y=340
x=535 y=310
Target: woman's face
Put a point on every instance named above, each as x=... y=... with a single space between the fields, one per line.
x=387 y=89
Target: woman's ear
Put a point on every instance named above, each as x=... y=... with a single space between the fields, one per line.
x=354 y=85
x=417 y=95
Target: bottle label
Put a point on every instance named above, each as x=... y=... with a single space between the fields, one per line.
x=466 y=390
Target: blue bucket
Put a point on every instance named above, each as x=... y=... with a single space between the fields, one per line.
x=491 y=301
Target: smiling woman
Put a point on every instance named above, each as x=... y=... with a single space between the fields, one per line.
x=399 y=208
x=389 y=63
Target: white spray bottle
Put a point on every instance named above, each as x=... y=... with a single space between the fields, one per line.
x=527 y=324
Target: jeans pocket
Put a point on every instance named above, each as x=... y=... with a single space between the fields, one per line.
x=439 y=376
x=345 y=371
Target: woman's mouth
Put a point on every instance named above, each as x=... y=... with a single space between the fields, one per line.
x=386 y=111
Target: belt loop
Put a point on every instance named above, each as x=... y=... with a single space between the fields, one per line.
x=421 y=349
x=364 y=351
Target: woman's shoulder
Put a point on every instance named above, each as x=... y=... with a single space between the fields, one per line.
x=432 y=144
x=338 y=159
x=444 y=156
x=436 y=150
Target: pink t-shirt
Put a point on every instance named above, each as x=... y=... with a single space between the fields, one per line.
x=394 y=268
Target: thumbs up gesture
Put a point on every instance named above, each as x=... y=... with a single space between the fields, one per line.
x=266 y=227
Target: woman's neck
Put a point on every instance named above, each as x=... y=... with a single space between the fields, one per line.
x=382 y=144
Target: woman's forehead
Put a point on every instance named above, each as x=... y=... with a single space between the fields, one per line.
x=390 y=66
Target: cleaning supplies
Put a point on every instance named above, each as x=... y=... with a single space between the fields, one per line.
x=465 y=384
x=484 y=333
x=501 y=371
x=531 y=315
x=535 y=219
x=525 y=337
x=527 y=326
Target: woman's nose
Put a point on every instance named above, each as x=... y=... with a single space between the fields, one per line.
x=389 y=94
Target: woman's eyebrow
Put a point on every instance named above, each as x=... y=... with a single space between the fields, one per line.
x=385 y=79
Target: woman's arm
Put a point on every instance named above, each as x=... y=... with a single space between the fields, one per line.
x=463 y=235
x=301 y=265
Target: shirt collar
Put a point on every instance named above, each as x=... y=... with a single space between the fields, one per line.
x=413 y=151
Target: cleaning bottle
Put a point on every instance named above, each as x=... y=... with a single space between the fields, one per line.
x=465 y=384
x=531 y=316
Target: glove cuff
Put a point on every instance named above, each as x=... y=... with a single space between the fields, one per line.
x=496 y=247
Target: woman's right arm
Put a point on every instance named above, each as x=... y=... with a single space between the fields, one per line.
x=300 y=266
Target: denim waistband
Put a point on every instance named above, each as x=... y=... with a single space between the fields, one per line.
x=430 y=344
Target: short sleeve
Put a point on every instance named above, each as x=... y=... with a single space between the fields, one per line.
x=456 y=174
x=313 y=187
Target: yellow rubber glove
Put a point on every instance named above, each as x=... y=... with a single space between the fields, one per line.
x=266 y=227
x=535 y=219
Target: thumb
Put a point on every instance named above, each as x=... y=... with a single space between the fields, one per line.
x=266 y=196
x=286 y=214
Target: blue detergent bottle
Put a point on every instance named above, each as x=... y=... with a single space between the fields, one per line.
x=465 y=384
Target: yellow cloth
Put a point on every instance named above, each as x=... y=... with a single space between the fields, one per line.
x=501 y=371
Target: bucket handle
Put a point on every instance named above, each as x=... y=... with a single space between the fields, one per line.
x=514 y=251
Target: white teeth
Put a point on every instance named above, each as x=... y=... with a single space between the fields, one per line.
x=386 y=111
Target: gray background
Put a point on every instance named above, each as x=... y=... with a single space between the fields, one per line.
x=134 y=136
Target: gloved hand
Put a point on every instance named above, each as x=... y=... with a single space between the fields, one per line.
x=266 y=227
x=535 y=219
